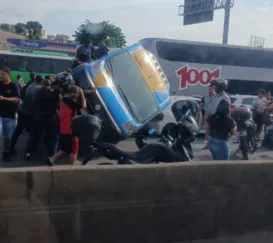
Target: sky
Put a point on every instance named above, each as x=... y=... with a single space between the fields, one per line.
x=144 y=18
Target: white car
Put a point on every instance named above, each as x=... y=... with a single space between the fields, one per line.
x=242 y=100
x=167 y=112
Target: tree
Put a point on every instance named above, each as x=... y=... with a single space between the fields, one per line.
x=5 y=27
x=104 y=31
x=34 y=29
x=20 y=28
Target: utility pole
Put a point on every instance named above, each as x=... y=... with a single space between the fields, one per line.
x=226 y=22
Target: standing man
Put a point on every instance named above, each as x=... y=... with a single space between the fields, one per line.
x=32 y=76
x=259 y=111
x=269 y=97
x=220 y=86
x=45 y=102
x=20 y=82
x=205 y=102
x=101 y=51
x=85 y=52
x=9 y=99
x=25 y=113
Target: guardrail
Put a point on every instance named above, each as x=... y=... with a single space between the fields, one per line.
x=144 y=203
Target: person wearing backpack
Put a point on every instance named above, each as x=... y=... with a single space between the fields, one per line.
x=85 y=52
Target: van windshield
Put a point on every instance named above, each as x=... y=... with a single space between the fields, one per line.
x=131 y=86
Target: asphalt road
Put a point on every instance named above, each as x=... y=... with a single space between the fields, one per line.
x=200 y=155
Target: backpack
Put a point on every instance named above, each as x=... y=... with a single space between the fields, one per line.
x=84 y=54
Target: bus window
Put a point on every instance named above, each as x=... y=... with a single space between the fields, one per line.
x=59 y=65
x=14 y=62
x=33 y=64
x=212 y=54
x=243 y=87
x=46 y=65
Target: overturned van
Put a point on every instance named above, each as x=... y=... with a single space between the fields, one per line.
x=131 y=90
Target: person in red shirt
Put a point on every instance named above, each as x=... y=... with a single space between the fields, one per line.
x=69 y=108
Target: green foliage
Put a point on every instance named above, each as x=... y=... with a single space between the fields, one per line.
x=35 y=30
x=104 y=31
x=20 y=28
x=34 y=25
x=5 y=27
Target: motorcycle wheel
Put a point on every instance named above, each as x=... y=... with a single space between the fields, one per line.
x=244 y=147
x=252 y=143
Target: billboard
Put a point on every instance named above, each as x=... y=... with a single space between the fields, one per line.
x=45 y=45
x=198 y=11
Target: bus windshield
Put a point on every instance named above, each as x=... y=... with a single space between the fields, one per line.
x=131 y=86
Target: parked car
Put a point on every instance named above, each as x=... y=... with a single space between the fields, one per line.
x=168 y=115
x=242 y=100
x=197 y=96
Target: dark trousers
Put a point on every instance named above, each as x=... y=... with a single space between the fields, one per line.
x=24 y=122
x=51 y=141
x=259 y=120
x=44 y=127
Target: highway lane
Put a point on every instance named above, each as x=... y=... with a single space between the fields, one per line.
x=200 y=155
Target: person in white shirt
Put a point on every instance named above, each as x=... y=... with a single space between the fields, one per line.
x=259 y=105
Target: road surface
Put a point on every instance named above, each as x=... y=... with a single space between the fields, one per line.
x=200 y=155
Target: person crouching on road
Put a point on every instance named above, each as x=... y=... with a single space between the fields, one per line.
x=69 y=108
x=220 y=127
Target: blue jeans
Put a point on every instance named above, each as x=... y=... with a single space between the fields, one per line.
x=7 y=126
x=219 y=149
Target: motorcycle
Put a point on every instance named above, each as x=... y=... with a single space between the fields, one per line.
x=167 y=136
x=171 y=147
x=148 y=131
x=245 y=130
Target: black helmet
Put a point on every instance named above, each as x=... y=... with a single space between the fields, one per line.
x=63 y=79
x=220 y=85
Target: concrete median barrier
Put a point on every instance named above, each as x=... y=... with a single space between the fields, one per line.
x=186 y=202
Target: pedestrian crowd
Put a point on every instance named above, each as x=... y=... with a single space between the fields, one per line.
x=215 y=109
x=44 y=109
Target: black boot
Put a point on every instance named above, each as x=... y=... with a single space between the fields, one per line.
x=13 y=152
x=6 y=157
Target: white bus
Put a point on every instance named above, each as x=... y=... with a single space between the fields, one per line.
x=190 y=66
